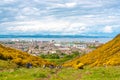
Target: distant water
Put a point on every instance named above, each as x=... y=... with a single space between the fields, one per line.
x=102 y=40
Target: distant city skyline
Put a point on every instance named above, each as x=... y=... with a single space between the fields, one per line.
x=60 y=17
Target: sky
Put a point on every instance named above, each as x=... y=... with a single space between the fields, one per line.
x=60 y=17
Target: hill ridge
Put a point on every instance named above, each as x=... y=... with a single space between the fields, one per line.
x=20 y=58
x=106 y=55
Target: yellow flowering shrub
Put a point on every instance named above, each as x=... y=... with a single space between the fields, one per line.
x=20 y=58
x=106 y=55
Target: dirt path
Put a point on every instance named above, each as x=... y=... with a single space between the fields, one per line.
x=53 y=73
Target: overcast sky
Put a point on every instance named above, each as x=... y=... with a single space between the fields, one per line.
x=63 y=17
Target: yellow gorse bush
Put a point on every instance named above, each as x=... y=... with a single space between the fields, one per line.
x=20 y=58
x=106 y=55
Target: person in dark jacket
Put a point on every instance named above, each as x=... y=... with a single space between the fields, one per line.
x=29 y=65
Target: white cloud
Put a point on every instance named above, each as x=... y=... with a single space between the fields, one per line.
x=108 y=29
x=9 y=0
x=65 y=16
x=2 y=2
x=20 y=17
x=94 y=20
x=30 y=11
x=64 y=5
x=70 y=4
x=54 y=26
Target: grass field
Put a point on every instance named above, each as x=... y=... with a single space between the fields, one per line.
x=96 y=73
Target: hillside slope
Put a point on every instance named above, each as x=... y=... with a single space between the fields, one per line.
x=19 y=57
x=106 y=55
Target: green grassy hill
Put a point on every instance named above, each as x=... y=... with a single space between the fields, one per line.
x=20 y=58
x=106 y=55
x=96 y=73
